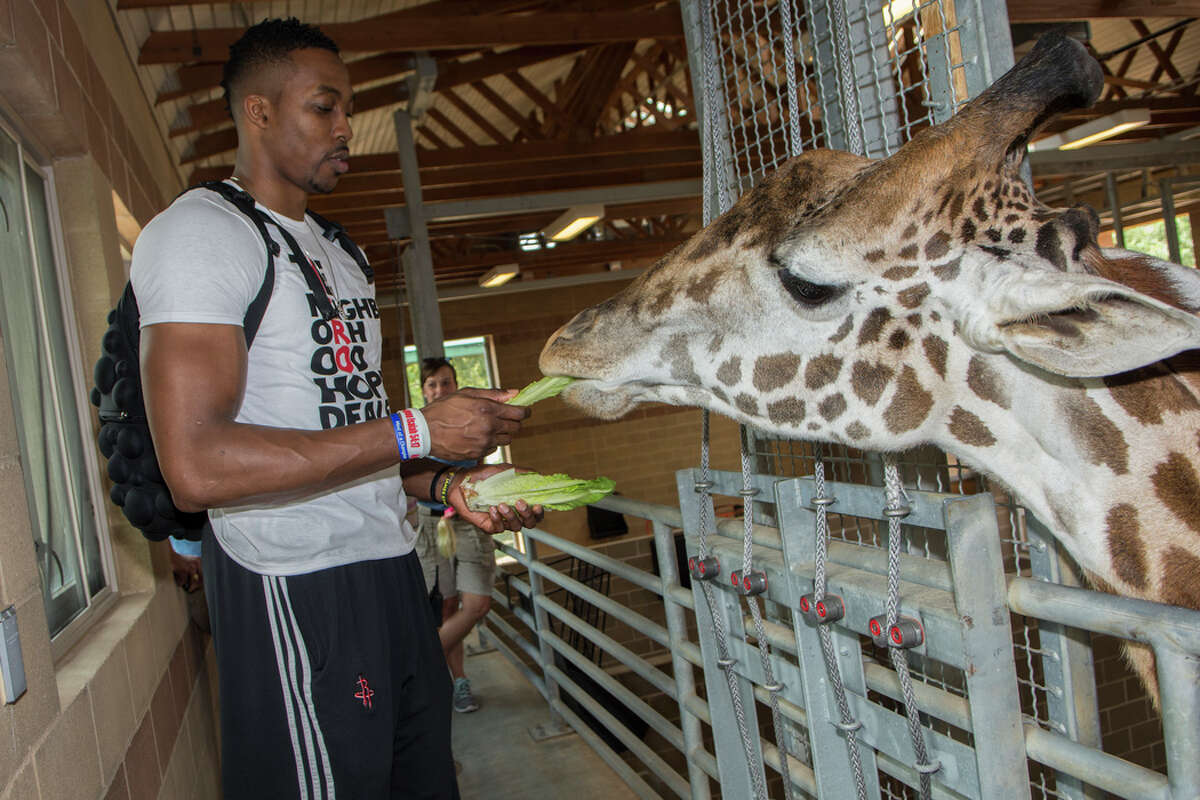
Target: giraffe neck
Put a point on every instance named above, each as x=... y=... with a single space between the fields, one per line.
x=1112 y=466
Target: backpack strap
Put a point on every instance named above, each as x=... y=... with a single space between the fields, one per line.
x=245 y=203
x=335 y=232
x=242 y=200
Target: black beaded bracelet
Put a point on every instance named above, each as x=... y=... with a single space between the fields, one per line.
x=433 y=483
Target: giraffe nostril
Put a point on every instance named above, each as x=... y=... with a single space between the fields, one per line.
x=581 y=324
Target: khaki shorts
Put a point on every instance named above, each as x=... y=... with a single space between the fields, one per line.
x=474 y=564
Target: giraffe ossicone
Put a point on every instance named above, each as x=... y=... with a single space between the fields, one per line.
x=929 y=298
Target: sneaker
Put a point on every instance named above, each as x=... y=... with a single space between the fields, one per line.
x=464 y=701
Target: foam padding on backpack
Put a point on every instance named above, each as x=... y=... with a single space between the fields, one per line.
x=124 y=439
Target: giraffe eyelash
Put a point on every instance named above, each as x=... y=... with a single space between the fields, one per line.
x=806 y=292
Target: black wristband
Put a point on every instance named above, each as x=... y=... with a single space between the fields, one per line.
x=433 y=483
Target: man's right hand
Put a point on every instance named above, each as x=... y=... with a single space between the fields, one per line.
x=471 y=423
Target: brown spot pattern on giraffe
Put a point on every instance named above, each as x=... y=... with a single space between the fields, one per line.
x=875 y=255
x=822 y=370
x=913 y=296
x=832 y=407
x=910 y=404
x=856 y=430
x=1176 y=484
x=899 y=339
x=701 y=288
x=900 y=273
x=1099 y=439
x=1125 y=545
x=949 y=270
x=935 y=350
x=730 y=372
x=843 y=330
x=985 y=383
x=772 y=372
x=679 y=359
x=970 y=429
x=715 y=343
x=1181 y=578
x=869 y=380
x=873 y=326
x=937 y=246
x=909 y=252
x=788 y=411
x=747 y=404
x=1147 y=393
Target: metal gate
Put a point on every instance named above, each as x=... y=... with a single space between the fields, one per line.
x=1004 y=670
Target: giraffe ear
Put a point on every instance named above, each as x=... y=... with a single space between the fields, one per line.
x=1087 y=327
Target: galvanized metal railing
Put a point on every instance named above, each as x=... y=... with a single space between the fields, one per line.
x=975 y=728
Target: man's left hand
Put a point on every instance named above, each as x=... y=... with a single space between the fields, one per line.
x=497 y=518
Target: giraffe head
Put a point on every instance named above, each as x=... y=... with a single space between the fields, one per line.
x=827 y=302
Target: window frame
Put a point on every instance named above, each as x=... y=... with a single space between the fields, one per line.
x=82 y=425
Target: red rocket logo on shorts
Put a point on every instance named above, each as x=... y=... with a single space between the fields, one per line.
x=365 y=692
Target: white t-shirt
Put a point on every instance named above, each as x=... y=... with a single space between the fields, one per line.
x=201 y=260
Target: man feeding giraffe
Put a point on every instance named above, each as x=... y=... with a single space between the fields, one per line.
x=929 y=298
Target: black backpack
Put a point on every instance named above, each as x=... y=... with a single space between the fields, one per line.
x=138 y=486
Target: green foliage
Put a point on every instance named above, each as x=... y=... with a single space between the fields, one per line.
x=541 y=389
x=1152 y=240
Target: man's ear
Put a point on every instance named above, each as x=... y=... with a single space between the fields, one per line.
x=1082 y=326
x=255 y=109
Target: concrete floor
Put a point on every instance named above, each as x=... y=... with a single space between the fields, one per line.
x=499 y=758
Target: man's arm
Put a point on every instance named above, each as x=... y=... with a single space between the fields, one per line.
x=193 y=377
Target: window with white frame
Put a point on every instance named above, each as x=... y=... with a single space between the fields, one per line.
x=57 y=454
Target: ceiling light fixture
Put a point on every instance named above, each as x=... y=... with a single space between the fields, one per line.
x=572 y=222
x=1095 y=131
x=499 y=275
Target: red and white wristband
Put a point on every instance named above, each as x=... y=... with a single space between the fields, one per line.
x=412 y=433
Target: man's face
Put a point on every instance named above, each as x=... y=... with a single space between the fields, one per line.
x=439 y=384
x=309 y=139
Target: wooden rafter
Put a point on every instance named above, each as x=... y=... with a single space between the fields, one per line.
x=469 y=111
x=524 y=125
x=1068 y=10
x=385 y=33
x=1162 y=56
x=453 y=74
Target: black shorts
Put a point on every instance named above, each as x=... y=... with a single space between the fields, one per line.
x=333 y=683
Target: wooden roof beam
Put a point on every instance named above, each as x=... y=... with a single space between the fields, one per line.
x=1068 y=10
x=436 y=32
x=506 y=153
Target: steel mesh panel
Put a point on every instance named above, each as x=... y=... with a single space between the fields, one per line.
x=865 y=76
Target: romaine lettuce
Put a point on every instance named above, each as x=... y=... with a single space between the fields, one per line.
x=541 y=389
x=555 y=492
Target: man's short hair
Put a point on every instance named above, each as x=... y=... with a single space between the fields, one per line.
x=432 y=365
x=267 y=43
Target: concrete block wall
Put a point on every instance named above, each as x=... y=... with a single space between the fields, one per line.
x=128 y=711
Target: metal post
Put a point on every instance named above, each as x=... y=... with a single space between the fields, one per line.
x=1167 y=197
x=976 y=568
x=1114 y=204
x=1179 y=687
x=681 y=669
x=542 y=623
x=732 y=762
x=1068 y=669
x=832 y=767
x=417 y=258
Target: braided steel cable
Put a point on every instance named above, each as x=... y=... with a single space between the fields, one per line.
x=848 y=725
x=895 y=511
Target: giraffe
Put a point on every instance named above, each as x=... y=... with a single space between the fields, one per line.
x=929 y=298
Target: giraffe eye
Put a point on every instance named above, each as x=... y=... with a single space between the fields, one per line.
x=806 y=292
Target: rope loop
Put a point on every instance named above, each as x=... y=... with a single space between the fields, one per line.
x=703 y=486
x=824 y=501
x=897 y=512
x=849 y=727
x=928 y=769
x=750 y=492
x=774 y=688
